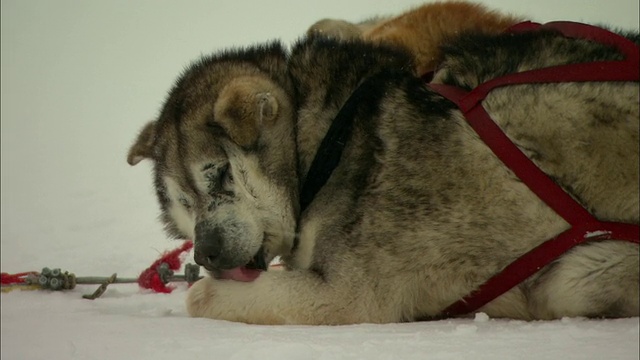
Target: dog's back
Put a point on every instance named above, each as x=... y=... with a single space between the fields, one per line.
x=582 y=134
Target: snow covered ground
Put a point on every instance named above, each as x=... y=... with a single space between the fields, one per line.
x=79 y=79
x=126 y=324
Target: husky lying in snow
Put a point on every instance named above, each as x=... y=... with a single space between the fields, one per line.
x=418 y=212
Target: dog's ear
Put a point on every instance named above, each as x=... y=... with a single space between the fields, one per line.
x=143 y=147
x=245 y=106
x=335 y=29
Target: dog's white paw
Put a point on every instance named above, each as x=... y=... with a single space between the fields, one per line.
x=234 y=301
x=200 y=297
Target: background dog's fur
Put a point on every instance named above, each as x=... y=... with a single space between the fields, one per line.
x=419 y=212
x=422 y=30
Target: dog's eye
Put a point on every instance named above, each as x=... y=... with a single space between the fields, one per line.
x=218 y=177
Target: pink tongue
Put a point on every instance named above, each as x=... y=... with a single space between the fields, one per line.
x=241 y=274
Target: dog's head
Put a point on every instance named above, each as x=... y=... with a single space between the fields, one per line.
x=224 y=158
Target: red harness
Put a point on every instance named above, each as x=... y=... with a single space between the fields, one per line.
x=584 y=226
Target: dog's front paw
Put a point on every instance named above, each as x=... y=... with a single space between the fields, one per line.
x=200 y=297
x=247 y=302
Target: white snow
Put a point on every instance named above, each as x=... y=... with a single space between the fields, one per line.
x=481 y=317
x=79 y=80
x=128 y=324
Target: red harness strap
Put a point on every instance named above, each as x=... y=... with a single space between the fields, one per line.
x=584 y=226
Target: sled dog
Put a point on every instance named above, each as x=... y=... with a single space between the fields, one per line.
x=418 y=211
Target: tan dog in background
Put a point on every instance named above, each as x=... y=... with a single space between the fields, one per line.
x=422 y=30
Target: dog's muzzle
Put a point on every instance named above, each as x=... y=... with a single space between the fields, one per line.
x=208 y=248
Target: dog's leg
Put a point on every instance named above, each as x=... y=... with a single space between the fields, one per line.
x=593 y=280
x=283 y=297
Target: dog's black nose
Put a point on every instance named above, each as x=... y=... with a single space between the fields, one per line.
x=207 y=245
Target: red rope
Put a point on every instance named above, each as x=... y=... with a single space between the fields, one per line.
x=150 y=277
x=12 y=279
